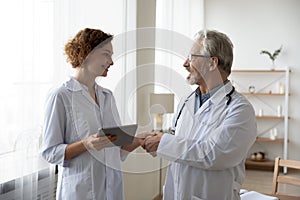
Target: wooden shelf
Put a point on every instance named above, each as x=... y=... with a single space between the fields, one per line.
x=258 y=70
x=264 y=97
x=269 y=117
x=262 y=139
x=263 y=94
x=267 y=165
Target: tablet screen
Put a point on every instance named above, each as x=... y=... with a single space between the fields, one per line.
x=125 y=134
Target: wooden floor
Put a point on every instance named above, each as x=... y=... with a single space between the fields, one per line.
x=261 y=181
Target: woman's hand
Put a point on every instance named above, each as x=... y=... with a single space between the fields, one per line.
x=93 y=142
x=96 y=142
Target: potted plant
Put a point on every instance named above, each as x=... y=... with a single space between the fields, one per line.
x=272 y=56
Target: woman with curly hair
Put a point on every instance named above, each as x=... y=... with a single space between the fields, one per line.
x=74 y=113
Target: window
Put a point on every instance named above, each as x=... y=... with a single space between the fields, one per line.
x=33 y=35
x=27 y=52
x=176 y=23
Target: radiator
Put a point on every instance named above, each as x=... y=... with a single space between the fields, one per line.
x=46 y=188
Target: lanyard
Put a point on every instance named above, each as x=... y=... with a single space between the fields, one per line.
x=227 y=103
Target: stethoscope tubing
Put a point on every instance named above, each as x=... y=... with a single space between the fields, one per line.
x=186 y=100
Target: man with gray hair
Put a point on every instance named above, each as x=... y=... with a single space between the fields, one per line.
x=214 y=128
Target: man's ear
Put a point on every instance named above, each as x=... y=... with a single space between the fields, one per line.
x=213 y=63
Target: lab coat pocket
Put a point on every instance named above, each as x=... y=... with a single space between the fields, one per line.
x=213 y=120
x=77 y=186
x=217 y=115
x=80 y=124
x=206 y=120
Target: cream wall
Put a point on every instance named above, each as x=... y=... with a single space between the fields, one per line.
x=254 y=25
x=140 y=170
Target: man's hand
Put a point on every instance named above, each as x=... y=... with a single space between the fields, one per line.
x=151 y=143
x=140 y=138
x=138 y=141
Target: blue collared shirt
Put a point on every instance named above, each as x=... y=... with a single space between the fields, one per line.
x=204 y=97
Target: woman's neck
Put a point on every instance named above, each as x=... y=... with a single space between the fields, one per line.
x=88 y=81
x=84 y=78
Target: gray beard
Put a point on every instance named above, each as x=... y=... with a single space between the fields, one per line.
x=192 y=80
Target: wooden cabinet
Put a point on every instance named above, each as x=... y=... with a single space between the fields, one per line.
x=268 y=92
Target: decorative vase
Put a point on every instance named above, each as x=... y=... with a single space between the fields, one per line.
x=273 y=66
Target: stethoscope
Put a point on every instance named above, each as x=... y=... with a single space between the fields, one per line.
x=228 y=96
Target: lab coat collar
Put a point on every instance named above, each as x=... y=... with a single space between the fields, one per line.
x=221 y=93
x=75 y=86
x=190 y=103
x=216 y=98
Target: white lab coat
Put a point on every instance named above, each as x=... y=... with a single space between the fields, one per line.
x=209 y=148
x=71 y=115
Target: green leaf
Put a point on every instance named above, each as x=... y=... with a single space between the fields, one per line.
x=276 y=53
x=268 y=53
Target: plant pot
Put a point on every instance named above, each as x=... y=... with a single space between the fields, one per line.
x=273 y=66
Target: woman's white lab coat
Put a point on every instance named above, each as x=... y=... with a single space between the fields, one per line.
x=71 y=115
x=209 y=148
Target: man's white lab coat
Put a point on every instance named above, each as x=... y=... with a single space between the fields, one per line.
x=209 y=148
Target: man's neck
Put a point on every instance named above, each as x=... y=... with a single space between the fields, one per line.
x=206 y=88
x=213 y=80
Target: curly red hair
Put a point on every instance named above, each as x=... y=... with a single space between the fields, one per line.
x=83 y=43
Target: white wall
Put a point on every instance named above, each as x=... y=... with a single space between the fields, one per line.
x=255 y=25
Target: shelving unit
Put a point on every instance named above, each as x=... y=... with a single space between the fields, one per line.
x=263 y=94
x=263 y=139
x=270 y=117
x=266 y=90
x=260 y=165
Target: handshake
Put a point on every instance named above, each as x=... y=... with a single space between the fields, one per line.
x=149 y=141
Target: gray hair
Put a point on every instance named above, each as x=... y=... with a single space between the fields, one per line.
x=219 y=45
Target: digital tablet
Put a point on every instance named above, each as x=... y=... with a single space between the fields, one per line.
x=125 y=134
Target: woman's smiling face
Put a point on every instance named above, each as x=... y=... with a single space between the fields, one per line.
x=99 y=60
